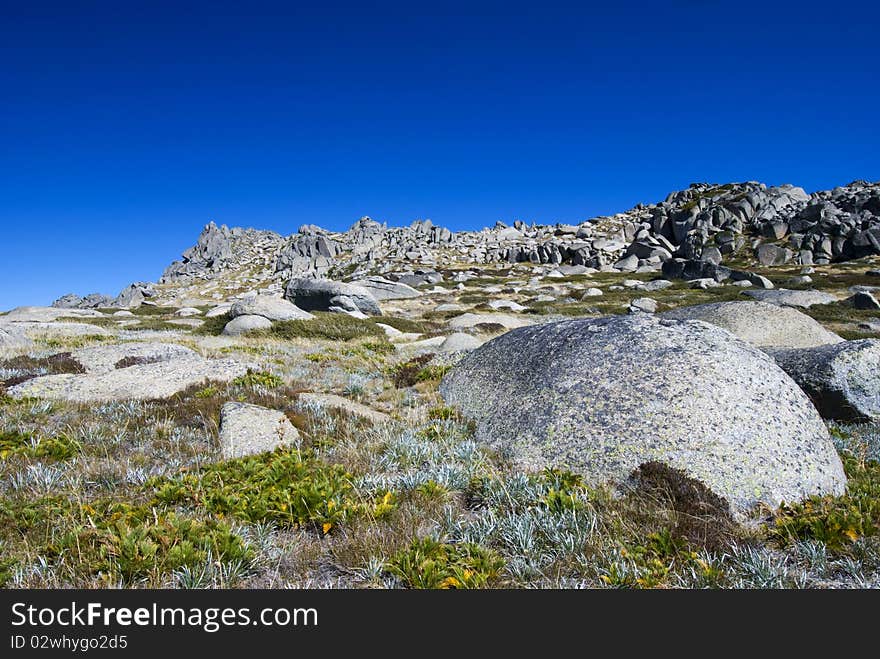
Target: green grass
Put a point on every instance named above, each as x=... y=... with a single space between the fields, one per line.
x=214 y=326
x=328 y=326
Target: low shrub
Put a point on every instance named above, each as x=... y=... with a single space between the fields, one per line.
x=427 y=563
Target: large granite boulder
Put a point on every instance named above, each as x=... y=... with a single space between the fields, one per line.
x=269 y=307
x=842 y=379
x=761 y=324
x=603 y=397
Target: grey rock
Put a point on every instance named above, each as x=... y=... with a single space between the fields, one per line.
x=344 y=405
x=187 y=312
x=863 y=300
x=841 y=379
x=385 y=289
x=638 y=389
x=247 y=429
x=460 y=342
x=321 y=294
x=244 y=324
x=469 y=320
x=627 y=264
x=643 y=304
x=761 y=324
x=143 y=382
x=656 y=285
x=591 y=292
x=770 y=255
x=102 y=358
x=704 y=283
x=790 y=298
x=219 y=310
x=270 y=307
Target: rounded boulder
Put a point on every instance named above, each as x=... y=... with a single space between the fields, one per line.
x=603 y=397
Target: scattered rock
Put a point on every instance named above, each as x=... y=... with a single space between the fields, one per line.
x=460 y=342
x=219 y=310
x=506 y=304
x=103 y=358
x=329 y=295
x=469 y=320
x=385 y=289
x=863 y=300
x=643 y=304
x=143 y=382
x=186 y=312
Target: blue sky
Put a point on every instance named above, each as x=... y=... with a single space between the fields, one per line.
x=126 y=126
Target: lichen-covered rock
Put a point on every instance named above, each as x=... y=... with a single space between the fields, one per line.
x=141 y=382
x=247 y=429
x=842 y=380
x=244 y=324
x=103 y=358
x=604 y=396
x=761 y=324
x=792 y=298
x=385 y=289
x=270 y=307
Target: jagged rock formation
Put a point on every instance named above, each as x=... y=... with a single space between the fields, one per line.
x=223 y=248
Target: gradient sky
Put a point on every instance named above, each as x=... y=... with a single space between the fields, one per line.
x=126 y=126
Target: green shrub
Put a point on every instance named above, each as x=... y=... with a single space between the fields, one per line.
x=60 y=447
x=258 y=379
x=407 y=374
x=287 y=488
x=433 y=372
x=427 y=563
x=836 y=521
x=133 y=542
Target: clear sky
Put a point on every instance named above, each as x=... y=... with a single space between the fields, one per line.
x=126 y=126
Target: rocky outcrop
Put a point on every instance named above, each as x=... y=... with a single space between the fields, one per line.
x=384 y=289
x=222 y=248
x=328 y=295
x=604 y=397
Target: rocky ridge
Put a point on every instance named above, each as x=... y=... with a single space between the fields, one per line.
x=691 y=234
